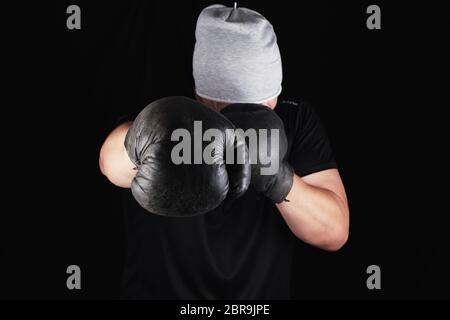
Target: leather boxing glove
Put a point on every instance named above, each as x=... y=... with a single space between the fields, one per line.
x=274 y=185
x=167 y=186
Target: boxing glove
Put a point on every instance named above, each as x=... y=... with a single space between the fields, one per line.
x=274 y=184
x=173 y=181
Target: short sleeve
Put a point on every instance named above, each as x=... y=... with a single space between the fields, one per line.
x=309 y=148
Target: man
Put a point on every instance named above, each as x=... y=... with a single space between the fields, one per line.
x=243 y=250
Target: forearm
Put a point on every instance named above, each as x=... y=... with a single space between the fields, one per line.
x=316 y=215
x=114 y=161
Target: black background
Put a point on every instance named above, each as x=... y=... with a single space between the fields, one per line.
x=382 y=95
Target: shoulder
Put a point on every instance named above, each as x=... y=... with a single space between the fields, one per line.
x=295 y=112
x=293 y=106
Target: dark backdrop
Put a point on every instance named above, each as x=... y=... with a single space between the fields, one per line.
x=382 y=95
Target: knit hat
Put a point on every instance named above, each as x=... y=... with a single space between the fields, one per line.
x=236 y=56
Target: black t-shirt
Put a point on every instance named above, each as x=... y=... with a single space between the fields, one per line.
x=244 y=252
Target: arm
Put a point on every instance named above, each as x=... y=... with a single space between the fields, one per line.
x=114 y=161
x=317 y=211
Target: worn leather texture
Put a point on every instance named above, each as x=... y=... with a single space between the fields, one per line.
x=187 y=189
x=255 y=116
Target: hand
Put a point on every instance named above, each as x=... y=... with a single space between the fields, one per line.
x=277 y=184
x=164 y=185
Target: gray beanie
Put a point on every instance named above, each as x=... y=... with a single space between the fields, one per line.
x=236 y=56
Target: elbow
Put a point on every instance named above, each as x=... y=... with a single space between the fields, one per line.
x=101 y=165
x=331 y=241
x=337 y=238
x=105 y=165
x=338 y=235
x=114 y=162
x=102 y=162
x=337 y=241
x=106 y=169
x=112 y=167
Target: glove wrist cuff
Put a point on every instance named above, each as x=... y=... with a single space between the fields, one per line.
x=283 y=184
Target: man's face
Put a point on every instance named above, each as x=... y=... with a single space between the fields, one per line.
x=218 y=106
x=215 y=105
x=271 y=103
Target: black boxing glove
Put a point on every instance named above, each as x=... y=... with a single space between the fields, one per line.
x=275 y=185
x=163 y=184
